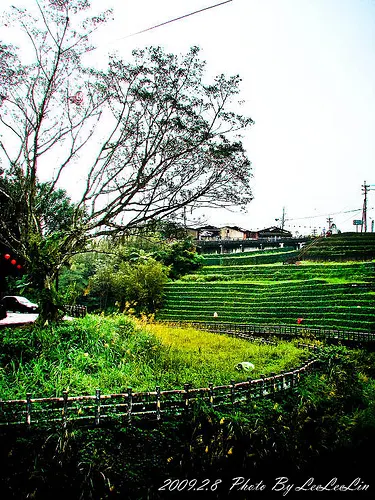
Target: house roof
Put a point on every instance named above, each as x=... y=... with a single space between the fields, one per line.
x=205 y=228
x=273 y=229
x=235 y=228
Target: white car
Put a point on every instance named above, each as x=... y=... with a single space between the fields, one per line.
x=15 y=303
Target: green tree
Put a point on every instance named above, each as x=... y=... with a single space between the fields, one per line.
x=181 y=256
x=149 y=136
x=139 y=284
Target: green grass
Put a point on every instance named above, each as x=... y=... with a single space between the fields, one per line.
x=114 y=353
x=203 y=357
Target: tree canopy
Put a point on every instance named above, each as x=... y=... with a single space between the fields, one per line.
x=149 y=136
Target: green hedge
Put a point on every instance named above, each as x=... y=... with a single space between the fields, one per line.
x=253 y=258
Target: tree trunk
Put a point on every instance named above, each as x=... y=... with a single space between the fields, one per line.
x=50 y=308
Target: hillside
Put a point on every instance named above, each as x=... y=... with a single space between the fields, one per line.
x=342 y=247
x=326 y=294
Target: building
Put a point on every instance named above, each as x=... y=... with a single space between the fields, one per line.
x=273 y=232
x=205 y=233
x=232 y=233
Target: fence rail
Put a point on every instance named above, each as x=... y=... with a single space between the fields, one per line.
x=98 y=408
x=284 y=331
x=76 y=311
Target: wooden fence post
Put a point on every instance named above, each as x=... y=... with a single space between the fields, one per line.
x=261 y=392
x=211 y=394
x=283 y=382
x=186 y=395
x=294 y=379
x=232 y=392
x=273 y=383
x=65 y=409
x=97 y=406
x=28 y=408
x=249 y=388
x=158 y=413
x=130 y=404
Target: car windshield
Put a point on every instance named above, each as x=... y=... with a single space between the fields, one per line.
x=24 y=301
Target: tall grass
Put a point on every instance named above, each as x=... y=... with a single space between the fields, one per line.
x=113 y=353
x=203 y=357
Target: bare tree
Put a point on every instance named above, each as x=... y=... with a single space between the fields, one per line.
x=149 y=135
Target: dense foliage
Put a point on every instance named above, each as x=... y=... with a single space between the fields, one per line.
x=139 y=285
x=132 y=271
x=181 y=256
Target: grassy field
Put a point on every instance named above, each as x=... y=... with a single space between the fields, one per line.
x=113 y=353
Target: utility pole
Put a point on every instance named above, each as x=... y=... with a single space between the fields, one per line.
x=365 y=189
x=282 y=219
x=329 y=222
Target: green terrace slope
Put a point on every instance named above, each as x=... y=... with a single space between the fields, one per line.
x=331 y=295
x=354 y=271
x=253 y=257
x=348 y=306
x=343 y=247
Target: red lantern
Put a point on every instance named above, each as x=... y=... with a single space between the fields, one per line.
x=19 y=266
x=13 y=261
x=299 y=321
x=7 y=256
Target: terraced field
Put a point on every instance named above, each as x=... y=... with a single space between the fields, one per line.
x=341 y=247
x=254 y=257
x=330 y=295
x=354 y=271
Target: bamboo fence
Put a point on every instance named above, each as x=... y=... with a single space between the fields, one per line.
x=283 y=331
x=75 y=311
x=100 y=408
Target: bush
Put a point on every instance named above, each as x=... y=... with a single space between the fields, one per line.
x=137 y=287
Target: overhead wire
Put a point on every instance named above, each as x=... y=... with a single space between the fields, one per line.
x=164 y=23
x=324 y=215
x=176 y=19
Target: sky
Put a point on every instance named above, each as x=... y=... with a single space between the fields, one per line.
x=308 y=82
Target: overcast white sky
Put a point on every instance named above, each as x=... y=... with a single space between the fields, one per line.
x=308 y=70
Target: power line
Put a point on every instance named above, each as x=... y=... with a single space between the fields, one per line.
x=175 y=19
x=325 y=215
